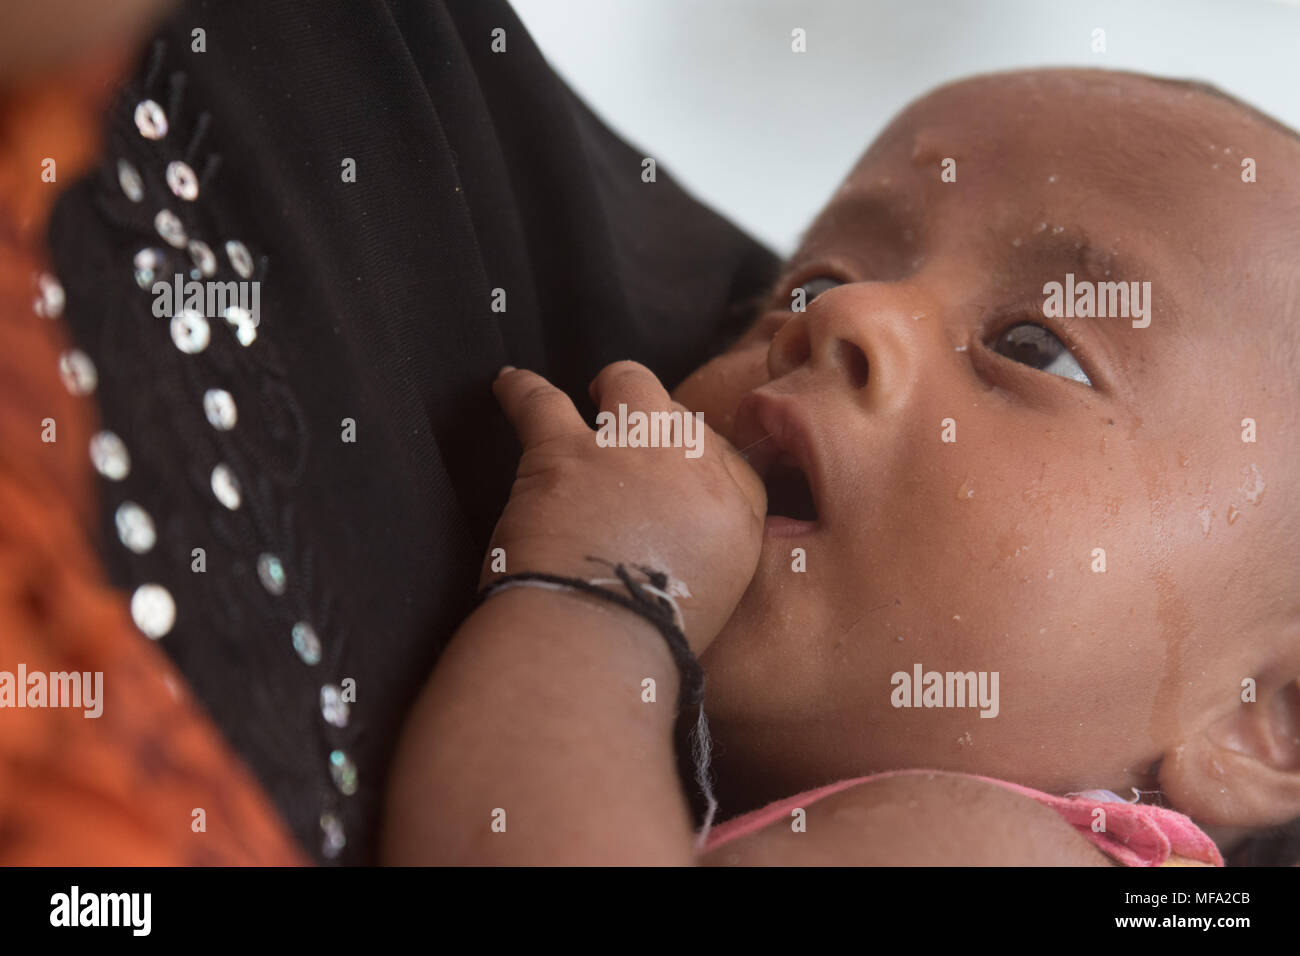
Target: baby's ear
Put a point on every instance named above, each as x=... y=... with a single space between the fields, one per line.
x=1244 y=769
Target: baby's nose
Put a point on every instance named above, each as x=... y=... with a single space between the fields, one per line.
x=864 y=333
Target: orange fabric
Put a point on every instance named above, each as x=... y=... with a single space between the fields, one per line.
x=120 y=789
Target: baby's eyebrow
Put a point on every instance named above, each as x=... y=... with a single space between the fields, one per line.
x=877 y=219
x=1048 y=254
x=1072 y=250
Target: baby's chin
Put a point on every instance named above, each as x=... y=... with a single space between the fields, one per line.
x=777 y=597
x=789 y=685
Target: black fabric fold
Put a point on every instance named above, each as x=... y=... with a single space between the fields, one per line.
x=475 y=171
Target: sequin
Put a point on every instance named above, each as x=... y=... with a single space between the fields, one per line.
x=332 y=706
x=153 y=610
x=226 y=486
x=241 y=320
x=306 y=643
x=50 y=301
x=271 y=572
x=344 y=772
x=169 y=226
x=334 y=841
x=190 y=331
x=148 y=262
x=182 y=181
x=129 y=179
x=219 y=406
x=108 y=455
x=77 y=372
x=204 y=259
x=150 y=120
x=135 y=528
x=240 y=258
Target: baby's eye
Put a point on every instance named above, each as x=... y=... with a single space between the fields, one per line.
x=1038 y=348
x=811 y=289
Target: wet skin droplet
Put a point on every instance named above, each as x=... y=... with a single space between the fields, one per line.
x=1252 y=485
x=967 y=489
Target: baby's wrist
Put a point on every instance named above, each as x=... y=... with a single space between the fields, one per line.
x=558 y=622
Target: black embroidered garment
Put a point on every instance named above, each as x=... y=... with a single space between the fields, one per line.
x=298 y=487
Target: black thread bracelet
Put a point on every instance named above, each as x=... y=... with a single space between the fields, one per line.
x=653 y=608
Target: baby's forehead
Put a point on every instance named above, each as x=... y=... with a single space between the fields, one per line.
x=1102 y=128
x=1134 y=163
x=1106 y=106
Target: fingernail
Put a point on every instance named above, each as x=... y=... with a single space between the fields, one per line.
x=504 y=369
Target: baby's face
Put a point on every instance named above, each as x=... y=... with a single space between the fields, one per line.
x=973 y=464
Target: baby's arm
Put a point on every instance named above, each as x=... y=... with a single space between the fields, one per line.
x=532 y=743
x=535 y=710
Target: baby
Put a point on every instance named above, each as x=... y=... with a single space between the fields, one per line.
x=1016 y=506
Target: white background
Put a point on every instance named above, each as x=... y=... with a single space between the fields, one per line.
x=711 y=89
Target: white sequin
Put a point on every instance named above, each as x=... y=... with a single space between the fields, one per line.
x=77 y=372
x=129 y=179
x=344 y=772
x=150 y=120
x=169 y=226
x=182 y=181
x=219 y=406
x=241 y=320
x=108 y=455
x=153 y=610
x=332 y=706
x=270 y=571
x=306 y=643
x=240 y=258
x=49 y=303
x=147 y=263
x=204 y=259
x=334 y=840
x=135 y=528
x=226 y=486
x=190 y=331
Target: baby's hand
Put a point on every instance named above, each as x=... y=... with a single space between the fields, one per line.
x=698 y=519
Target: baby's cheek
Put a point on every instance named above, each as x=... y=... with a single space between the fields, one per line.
x=1037 y=560
x=717 y=387
x=1072 y=589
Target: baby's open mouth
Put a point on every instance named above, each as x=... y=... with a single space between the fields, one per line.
x=784 y=459
x=788 y=493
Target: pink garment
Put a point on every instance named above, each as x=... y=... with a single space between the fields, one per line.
x=1136 y=834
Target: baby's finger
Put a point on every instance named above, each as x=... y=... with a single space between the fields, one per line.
x=537 y=409
x=740 y=471
x=743 y=474
x=632 y=384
